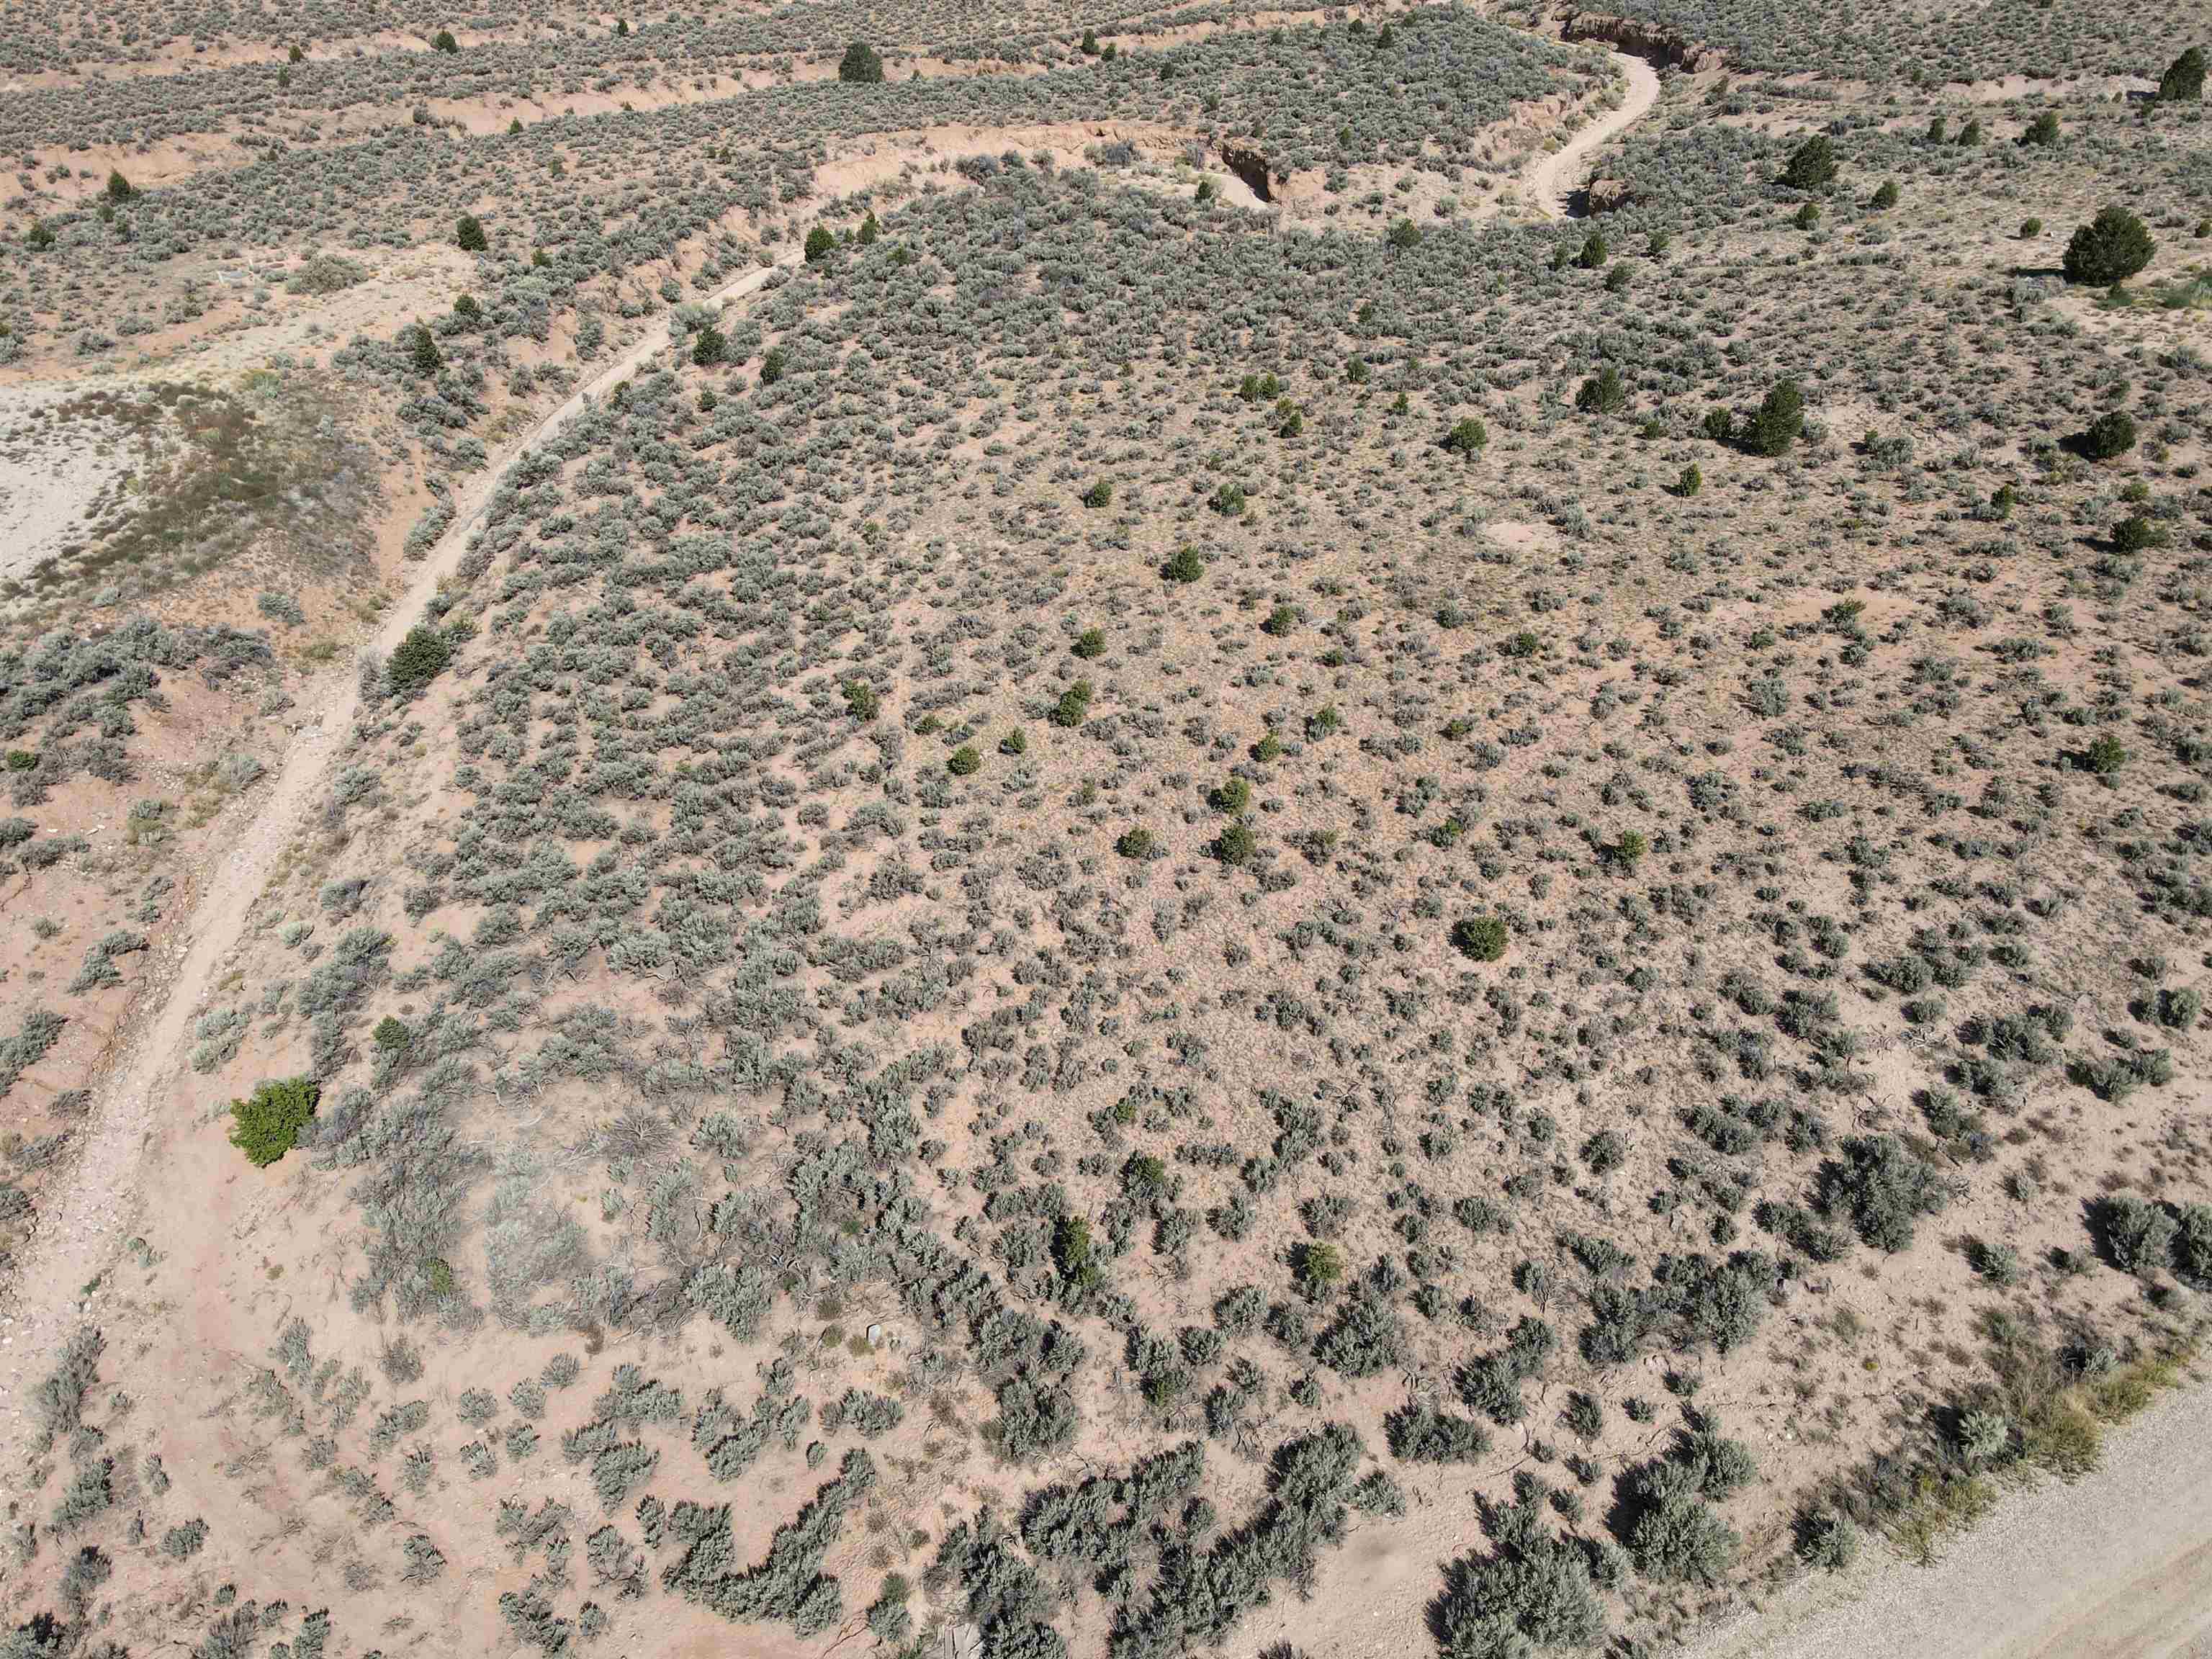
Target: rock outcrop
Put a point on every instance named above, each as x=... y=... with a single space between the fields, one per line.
x=1646 y=41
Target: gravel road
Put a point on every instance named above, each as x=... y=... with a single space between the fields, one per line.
x=2118 y=1565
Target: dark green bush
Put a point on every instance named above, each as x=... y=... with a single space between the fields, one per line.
x=1603 y=393
x=419 y=658
x=1812 y=165
x=1481 y=938
x=469 y=234
x=860 y=66
x=1185 y=567
x=2183 y=80
x=2111 y=248
x=1073 y=706
x=266 y=1125
x=1777 y=422
x=2111 y=435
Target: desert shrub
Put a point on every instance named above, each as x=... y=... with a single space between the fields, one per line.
x=2111 y=248
x=443 y=41
x=1533 y=1589
x=1036 y=1416
x=58 y=1402
x=2139 y=1235
x=709 y=346
x=965 y=761
x=1481 y=938
x=1676 y=1537
x=789 y=1584
x=1775 y=424
x=2111 y=435
x=1491 y=1383
x=1467 y=437
x=2183 y=80
x=417 y=660
x=1602 y=393
x=469 y=234
x=1883 y=1187
x=326 y=273
x=40 y=1029
x=1422 y=1434
x=1099 y=494
x=1827 y=1538
x=821 y=243
x=2042 y=132
x=1200 y=1596
x=860 y=66
x=1366 y=1335
x=1186 y=566
x=266 y=1125
x=2192 y=1243
x=1812 y=165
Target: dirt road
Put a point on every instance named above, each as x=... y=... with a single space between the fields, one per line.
x=94 y=1210
x=2117 y=1566
x=1555 y=178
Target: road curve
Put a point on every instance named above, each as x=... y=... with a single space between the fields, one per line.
x=1551 y=180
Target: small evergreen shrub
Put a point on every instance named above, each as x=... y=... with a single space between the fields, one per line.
x=266 y=1125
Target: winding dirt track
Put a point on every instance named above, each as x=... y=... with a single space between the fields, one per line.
x=96 y=1208
x=1554 y=179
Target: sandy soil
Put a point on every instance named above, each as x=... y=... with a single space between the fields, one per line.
x=49 y=476
x=2117 y=1566
x=56 y=1285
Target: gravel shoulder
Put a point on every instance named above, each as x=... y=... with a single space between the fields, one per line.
x=2117 y=1566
